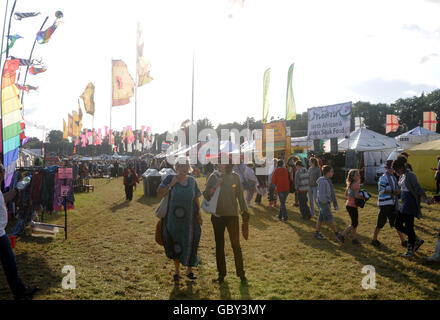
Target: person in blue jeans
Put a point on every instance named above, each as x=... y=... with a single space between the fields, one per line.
x=281 y=179
x=7 y=256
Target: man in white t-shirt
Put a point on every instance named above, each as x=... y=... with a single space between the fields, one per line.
x=7 y=256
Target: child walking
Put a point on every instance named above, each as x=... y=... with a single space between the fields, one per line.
x=352 y=193
x=326 y=195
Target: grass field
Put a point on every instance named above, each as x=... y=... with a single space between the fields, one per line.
x=111 y=245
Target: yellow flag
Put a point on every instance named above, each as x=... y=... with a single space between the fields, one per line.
x=143 y=69
x=88 y=98
x=266 y=83
x=290 y=101
x=123 y=83
x=70 y=126
x=65 y=131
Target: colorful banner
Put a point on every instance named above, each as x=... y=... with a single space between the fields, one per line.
x=65 y=130
x=11 y=118
x=329 y=122
x=266 y=95
x=44 y=36
x=123 y=84
x=290 y=101
x=88 y=98
x=70 y=126
x=279 y=135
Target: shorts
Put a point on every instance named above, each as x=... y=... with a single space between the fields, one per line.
x=325 y=212
x=386 y=212
x=354 y=216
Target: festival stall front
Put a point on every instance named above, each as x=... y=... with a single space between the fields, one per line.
x=422 y=158
x=373 y=147
x=416 y=136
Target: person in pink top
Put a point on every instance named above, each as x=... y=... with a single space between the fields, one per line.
x=352 y=192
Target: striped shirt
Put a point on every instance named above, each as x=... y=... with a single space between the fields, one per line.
x=386 y=199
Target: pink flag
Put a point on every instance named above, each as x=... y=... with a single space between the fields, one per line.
x=83 y=140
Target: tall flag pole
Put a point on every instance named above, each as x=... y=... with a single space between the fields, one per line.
x=266 y=95
x=290 y=101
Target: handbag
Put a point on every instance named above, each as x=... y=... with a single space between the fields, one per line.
x=359 y=202
x=162 y=209
x=158 y=235
x=211 y=205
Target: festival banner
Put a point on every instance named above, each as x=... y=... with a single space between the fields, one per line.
x=143 y=66
x=65 y=130
x=123 y=83
x=266 y=95
x=88 y=98
x=430 y=121
x=290 y=101
x=329 y=122
x=11 y=118
x=70 y=126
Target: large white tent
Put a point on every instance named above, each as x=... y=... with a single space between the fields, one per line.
x=375 y=148
x=416 y=136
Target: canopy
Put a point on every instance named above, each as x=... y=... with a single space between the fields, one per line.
x=228 y=147
x=422 y=157
x=363 y=140
x=301 y=142
x=430 y=147
x=416 y=136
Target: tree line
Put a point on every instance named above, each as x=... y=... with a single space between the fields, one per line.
x=409 y=110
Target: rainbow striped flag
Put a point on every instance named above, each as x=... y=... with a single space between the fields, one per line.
x=11 y=118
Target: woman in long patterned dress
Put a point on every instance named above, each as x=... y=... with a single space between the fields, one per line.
x=181 y=227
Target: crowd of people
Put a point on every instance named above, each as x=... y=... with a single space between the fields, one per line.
x=399 y=202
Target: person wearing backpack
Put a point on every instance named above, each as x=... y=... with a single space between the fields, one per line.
x=302 y=187
x=352 y=194
x=388 y=204
x=130 y=180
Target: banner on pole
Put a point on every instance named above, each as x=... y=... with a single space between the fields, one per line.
x=330 y=121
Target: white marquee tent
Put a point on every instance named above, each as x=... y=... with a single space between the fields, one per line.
x=375 y=148
x=416 y=136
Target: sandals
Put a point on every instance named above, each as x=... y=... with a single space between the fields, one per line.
x=176 y=278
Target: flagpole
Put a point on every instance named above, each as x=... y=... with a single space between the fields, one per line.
x=30 y=58
x=192 y=101
x=111 y=100
x=136 y=82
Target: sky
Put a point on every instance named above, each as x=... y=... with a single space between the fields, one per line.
x=377 y=51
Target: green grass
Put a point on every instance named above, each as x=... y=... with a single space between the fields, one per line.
x=111 y=244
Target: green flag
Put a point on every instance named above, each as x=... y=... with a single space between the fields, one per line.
x=290 y=101
x=266 y=95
